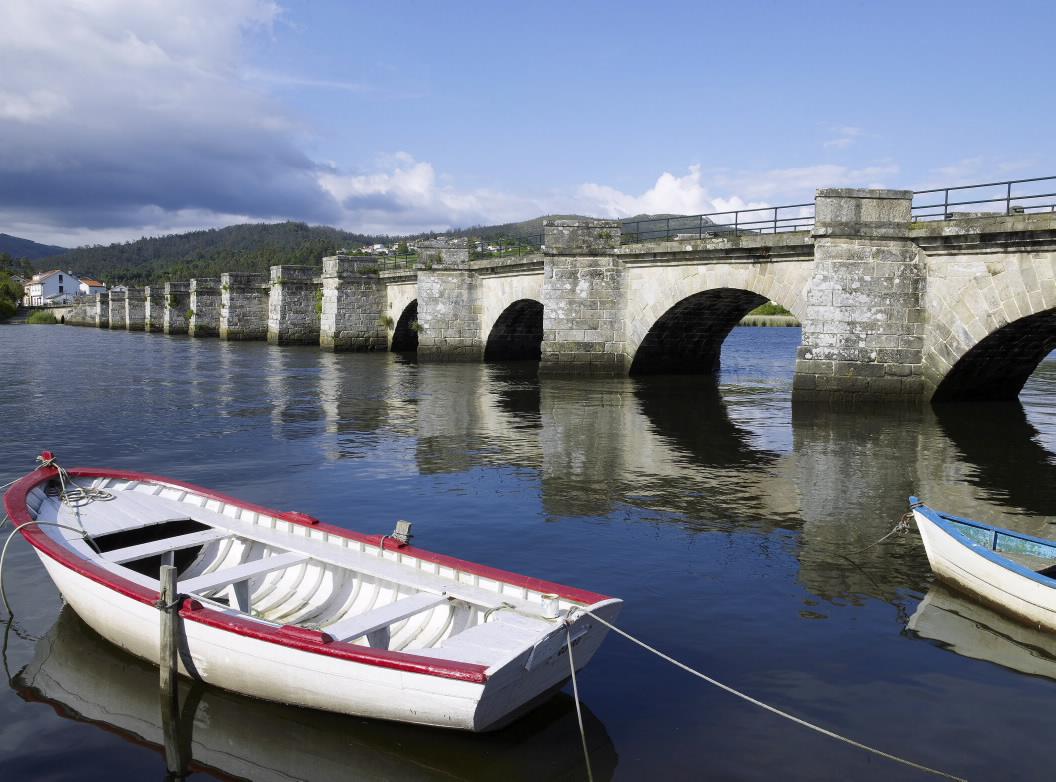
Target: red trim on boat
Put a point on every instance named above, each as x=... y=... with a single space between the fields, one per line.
x=287 y=635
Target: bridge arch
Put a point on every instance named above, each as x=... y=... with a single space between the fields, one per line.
x=517 y=334
x=989 y=327
x=405 y=330
x=677 y=325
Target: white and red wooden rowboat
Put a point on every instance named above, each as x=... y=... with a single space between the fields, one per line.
x=280 y=606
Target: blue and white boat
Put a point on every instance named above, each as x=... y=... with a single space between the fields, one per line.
x=1011 y=572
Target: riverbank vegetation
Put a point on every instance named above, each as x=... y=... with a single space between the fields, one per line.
x=10 y=294
x=41 y=318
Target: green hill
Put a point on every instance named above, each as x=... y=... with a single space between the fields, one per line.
x=17 y=247
x=247 y=248
x=255 y=247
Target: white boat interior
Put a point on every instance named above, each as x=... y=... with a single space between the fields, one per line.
x=240 y=561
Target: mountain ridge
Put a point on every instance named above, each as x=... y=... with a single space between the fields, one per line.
x=255 y=247
x=18 y=247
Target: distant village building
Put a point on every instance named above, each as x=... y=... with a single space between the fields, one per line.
x=54 y=287
x=90 y=287
x=58 y=287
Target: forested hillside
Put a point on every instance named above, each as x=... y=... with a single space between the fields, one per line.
x=250 y=247
x=18 y=247
x=257 y=247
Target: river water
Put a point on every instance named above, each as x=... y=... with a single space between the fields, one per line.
x=731 y=523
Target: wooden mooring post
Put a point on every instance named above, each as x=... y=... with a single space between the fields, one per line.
x=170 y=615
x=177 y=754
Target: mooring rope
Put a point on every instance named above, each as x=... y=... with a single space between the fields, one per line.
x=78 y=495
x=753 y=701
x=575 y=696
x=3 y=553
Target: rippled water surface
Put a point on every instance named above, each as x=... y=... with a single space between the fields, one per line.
x=731 y=523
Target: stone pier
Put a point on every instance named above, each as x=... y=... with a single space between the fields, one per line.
x=863 y=333
x=205 y=307
x=244 y=306
x=449 y=306
x=583 y=303
x=135 y=309
x=154 y=308
x=177 y=306
x=100 y=311
x=117 y=318
x=294 y=305
x=353 y=305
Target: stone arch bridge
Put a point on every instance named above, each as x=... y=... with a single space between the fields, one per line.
x=891 y=309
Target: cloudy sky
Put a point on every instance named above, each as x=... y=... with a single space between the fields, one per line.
x=123 y=118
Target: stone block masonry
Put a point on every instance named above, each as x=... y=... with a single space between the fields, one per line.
x=892 y=309
x=117 y=315
x=864 y=327
x=583 y=312
x=177 y=307
x=101 y=311
x=204 y=318
x=353 y=305
x=135 y=306
x=244 y=306
x=294 y=305
x=449 y=308
x=154 y=308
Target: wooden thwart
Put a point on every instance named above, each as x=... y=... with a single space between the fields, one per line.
x=164 y=546
x=375 y=624
x=247 y=570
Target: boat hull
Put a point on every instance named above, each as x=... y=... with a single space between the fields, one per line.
x=995 y=581
x=463 y=646
x=283 y=674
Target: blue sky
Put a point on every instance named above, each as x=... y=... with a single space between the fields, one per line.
x=120 y=118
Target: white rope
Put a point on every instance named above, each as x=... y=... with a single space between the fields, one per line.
x=3 y=553
x=575 y=695
x=759 y=703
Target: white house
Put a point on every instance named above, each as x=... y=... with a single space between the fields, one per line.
x=90 y=287
x=54 y=287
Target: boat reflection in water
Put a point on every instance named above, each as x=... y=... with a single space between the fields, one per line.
x=84 y=678
x=973 y=630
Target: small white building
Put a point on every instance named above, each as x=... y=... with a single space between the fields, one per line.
x=90 y=287
x=54 y=287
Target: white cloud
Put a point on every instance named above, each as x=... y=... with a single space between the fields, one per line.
x=670 y=194
x=125 y=117
x=845 y=136
x=117 y=109
x=34 y=106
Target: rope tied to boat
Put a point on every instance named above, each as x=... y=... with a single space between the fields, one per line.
x=732 y=691
x=18 y=528
x=78 y=495
x=901 y=528
x=575 y=696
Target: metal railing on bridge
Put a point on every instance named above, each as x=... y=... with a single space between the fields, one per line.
x=760 y=220
x=1014 y=196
